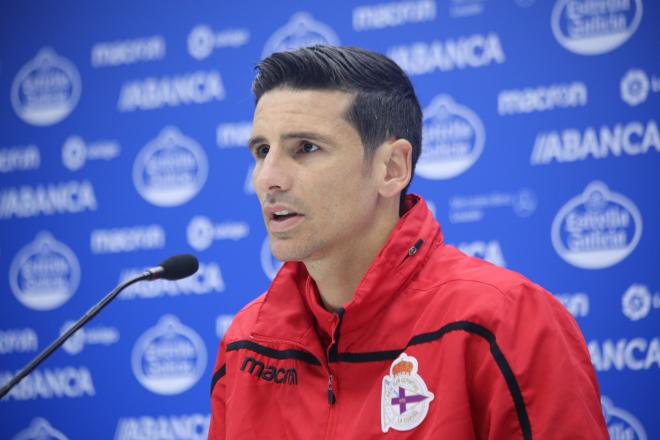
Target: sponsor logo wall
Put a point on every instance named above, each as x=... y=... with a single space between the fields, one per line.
x=541 y=152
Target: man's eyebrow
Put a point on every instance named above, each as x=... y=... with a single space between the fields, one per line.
x=309 y=135
x=253 y=141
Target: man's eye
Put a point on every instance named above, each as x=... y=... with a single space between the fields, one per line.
x=261 y=150
x=308 y=147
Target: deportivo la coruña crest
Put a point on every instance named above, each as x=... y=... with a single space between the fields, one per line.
x=405 y=398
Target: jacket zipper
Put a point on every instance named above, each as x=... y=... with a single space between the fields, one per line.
x=332 y=394
x=332 y=357
x=332 y=353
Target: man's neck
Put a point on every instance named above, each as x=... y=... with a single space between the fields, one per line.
x=337 y=276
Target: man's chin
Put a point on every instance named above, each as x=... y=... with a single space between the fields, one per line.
x=286 y=256
x=285 y=252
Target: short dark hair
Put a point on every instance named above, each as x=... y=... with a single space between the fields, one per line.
x=384 y=103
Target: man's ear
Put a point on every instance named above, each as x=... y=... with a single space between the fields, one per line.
x=397 y=159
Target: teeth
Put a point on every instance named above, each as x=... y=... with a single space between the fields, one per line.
x=285 y=212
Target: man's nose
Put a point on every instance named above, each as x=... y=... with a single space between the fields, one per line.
x=273 y=173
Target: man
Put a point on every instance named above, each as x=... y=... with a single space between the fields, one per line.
x=374 y=328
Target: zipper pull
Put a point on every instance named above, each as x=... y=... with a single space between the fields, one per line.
x=413 y=250
x=331 y=393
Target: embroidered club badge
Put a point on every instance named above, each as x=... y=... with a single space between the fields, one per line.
x=405 y=399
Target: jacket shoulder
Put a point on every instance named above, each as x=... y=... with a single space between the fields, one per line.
x=449 y=265
x=243 y=323
x=476 y=289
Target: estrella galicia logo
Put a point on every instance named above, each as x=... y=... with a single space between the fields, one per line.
x=269 y=263
x=453 y=139
x=171 y=169
x=169 y=358
x=596 y=229
x=46 y=89
x=621 y=425
x=44 y=274
x=301 y=31
x=594 y=27
x=40 y=429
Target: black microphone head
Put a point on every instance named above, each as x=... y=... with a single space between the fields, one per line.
x=179 y=266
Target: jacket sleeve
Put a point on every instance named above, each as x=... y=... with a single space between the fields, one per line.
x=542 y=367
x=217 y=428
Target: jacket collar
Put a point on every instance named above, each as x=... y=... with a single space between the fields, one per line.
x=291 y=309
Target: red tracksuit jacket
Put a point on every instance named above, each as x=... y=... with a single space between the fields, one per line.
x=434 y=345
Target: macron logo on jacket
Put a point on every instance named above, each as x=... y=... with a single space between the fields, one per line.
x=269 y=373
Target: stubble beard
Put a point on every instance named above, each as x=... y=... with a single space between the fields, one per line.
x=286 y=248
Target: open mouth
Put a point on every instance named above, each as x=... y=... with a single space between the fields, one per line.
x=284 y=220
x=280 y=216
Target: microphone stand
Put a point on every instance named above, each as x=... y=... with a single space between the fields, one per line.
x=66 y=335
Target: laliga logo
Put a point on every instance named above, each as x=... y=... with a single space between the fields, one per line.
x=634 y=87
x=88 y=335
x=74 y=153
x=453 y=139
x=46 y=89
x=621 y=425
x=169 y=358
x=301 y=31
x=76 y=342
x=596 y=229
x=637 y=302
x=40 y=429
x=44 y=274
x=200 y=233
x=269 y=264
x=171 y=169
x=595 y=27
x=201 y=42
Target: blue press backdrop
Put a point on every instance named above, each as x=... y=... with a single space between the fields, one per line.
x=124 y=129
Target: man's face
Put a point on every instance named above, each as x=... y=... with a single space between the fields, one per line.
x=317 y=193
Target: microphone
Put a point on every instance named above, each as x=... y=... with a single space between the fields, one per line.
x=173 y=268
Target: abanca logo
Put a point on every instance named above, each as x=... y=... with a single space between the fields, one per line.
x=453 y=139
x=301 y=31
x=621 y=425
x=46 y=89
x=594 y=27
x=161 y=427
x=171 y=169
x=596 y=229
x=169 y=358
x=44 y=274
x=40 y=429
